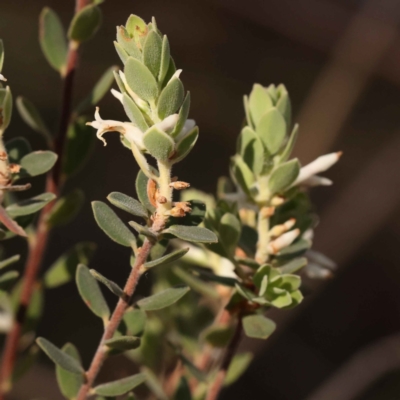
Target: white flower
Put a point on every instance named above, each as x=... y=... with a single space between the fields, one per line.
x=175 y=75
x=116 y=94
x=168 y=124
x=133 y=134
x=283 y=241
x=2 y=78
x=308 y=173
x=187 y=127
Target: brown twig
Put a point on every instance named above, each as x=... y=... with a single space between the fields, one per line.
x=38 y=245
x=115 y=320
x=230 y=351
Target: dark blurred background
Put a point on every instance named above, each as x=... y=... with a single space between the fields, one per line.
x=340 y=60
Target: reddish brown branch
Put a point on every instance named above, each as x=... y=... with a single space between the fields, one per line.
x=115 y=320
x=230 y=351
x=38 y=245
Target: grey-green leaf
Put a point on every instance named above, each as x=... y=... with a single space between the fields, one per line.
x=162 y=299
x=85 y=23
x=30 y=114
x=90 y=292
x=165 y=58
x=9 y=261
x=69 y=383
x=229 y=232
x=251 y=149
x=242 y=173
x=272 y=130
x=258 y=326
x=171 y=257
x=185 y=145
x=66 y=208
x=259 y=103
x=52 y=39
x=63 y=269
x=287 y=150
x=128 y=204
x=134 y=113
x=120 y=386
x=142 y=230
x=112 y=226
x=37 y=163
x=283 y=176
x=152 y=51
x=183 y=115
x=1 y=54
x=158 y=143
x=114 y=288
x=135 y=321
x=171 y=98
x=29 y=206
x=5 y=107
x=141 y=80
x=60 y=358
x=123 y=343
x=192 y=233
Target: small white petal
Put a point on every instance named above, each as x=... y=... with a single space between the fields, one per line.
x=315 y=271
x=141 y=103
x=316 y=180
x=308 y=235
x=168 y=124
x=187 y=127
x=278 y=230
x=283 y=241
x=175 y=75
x=116 y=94
x=2 y=78
x=321 y=164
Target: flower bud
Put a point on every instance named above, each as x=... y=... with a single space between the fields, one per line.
x=283 y=241
x=179 y=185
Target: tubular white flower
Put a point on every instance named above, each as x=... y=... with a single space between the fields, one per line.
x=283 y=241
x=132 y=133
x=175 y=75
x=321 y=164
x=168 y=124
x=317 y=181
x=2 y=78
x=278 y=230
x=116 y=94
x=187 y=127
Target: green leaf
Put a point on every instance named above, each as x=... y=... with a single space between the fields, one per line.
x=63 y=269
x=259 y=103
x=293 y=266
x=251 y=149
x=17 y=148
x=30 y=114
x=114 y=288
x=37 y=163
x=196 y=284
x=238 y=366
x=30 y=206
x=52 y=40
x=183 y=391
x=141 y=190
x=135 y=321
x=258 y=326
x=123 y=343
x=141 y=80
x=195 y=234
x=85 y=23
x=218 y=336
x=123 y=55
x=90 y=292
x=24 y=364
x=171 y=257
x=183 y=116
x=159 y=144
x=243 y=174
x=284 y=107
x=7 y=278
x=165 y=59
x=8 y=261
x=272 y=130
x=99 y=90
x=152 y=51
x=287 y=151
x=120 y=386
x=283 y=176
x=184 y=147
x=134 y=113
x=80 y=141
x=66 y=208
x=229 y=232
x=171 y=98
x=128 y=204
x=112 y=226
x=60 y=358
x=162 y=299
x=5 y=108
x=143 y=230
x=69 y=383
x=127 y=44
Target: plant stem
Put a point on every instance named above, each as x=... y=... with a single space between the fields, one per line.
x=230 y=351
x=122 y=305
x=263 y=237
x=37 y=246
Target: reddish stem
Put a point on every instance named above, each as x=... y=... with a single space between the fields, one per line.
x=37 y=247
x=115 y=320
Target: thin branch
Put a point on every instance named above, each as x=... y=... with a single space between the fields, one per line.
x=230 y=351
x=38 y=246
x=115 y=320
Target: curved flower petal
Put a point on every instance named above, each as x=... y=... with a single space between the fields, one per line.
x=168 y=124
x=2 y=78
